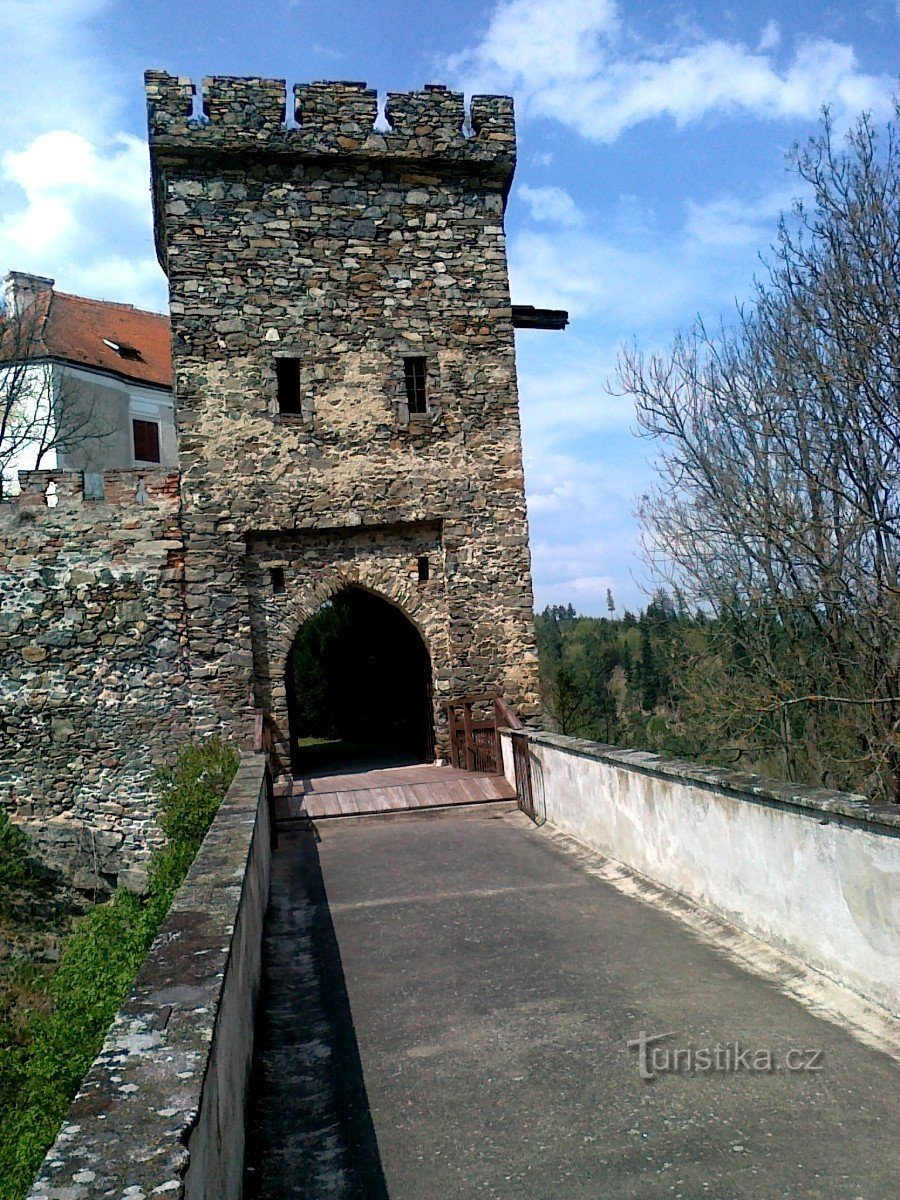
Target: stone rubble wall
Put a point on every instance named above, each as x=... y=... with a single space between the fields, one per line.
x=317 y=567
x=93 y=690
x=346 y=249
x=136 y=611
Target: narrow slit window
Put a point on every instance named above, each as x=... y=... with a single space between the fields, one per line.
x=287 y=372
x=424 y=569
x=415 y=375
x=146 y=441
x=276 y=574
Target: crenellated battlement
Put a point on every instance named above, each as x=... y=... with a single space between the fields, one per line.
x=242 y=115
x=61 y=488
x=340 y=114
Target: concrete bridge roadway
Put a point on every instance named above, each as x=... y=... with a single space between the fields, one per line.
x=447 y=1007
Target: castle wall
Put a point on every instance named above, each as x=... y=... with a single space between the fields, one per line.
x=346 y=250
x=93 y=693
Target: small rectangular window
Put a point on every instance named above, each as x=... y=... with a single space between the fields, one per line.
x=415 y=374
x=276 y=574
x=287 y=372
x=146 y=441
x=424 y=570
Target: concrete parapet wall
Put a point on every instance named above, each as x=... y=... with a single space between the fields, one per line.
x=812 y=872
x=161 y=1111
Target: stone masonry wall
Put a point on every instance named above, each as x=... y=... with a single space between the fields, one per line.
x=93 y=693
x=346 y=249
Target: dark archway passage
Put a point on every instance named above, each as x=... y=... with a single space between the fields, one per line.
x=359 y=687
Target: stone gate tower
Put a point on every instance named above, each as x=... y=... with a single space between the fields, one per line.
x=345 y=379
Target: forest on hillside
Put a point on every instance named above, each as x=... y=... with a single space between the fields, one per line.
x=677 y=683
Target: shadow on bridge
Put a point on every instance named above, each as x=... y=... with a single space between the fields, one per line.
x=311 y=1135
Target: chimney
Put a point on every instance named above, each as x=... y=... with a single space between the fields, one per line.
x=21 y=290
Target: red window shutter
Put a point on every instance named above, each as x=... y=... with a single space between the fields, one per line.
x=146 y=441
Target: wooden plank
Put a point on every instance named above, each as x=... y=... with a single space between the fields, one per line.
x=410 y=799
x=503 y=788
x=485 y=786
x=389 y=789
x=371 y=800
x=348 y=804
x=470 y=745
x=473 y=792
x=493 y=787
x=454 y=744
x=456 y=792
x=396 y=799
x=325 y=804
x=425 y=793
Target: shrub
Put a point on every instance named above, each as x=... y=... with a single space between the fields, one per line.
x=192 y=789
x=98 y=966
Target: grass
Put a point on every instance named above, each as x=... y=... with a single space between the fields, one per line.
x=46 y=1052
x=326 y=753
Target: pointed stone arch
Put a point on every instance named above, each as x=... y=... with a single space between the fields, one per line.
x=364 y=676
x=376 y=567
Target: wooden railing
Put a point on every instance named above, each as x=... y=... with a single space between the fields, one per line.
x=473 y=738
x=261 y=735
x=475 y=741
x=521 y=756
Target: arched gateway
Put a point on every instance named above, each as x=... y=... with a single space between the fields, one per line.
x=358 y=687
x=344 y=371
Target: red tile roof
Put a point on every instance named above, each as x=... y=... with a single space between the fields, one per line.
x=118 y=338
x=75 y=329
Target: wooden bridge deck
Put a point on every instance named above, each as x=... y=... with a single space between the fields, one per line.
x=391 y=789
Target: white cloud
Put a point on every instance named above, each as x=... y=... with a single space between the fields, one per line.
x=74 y=190
x=770 y=38
x=628 y=287
x=49 y=75
x=538 y=41
x=730 y=221
x=580 y=64
x=583 y=534
x=126 y=278
x=551 y=204
x=559 y=404
x=82 y=214
x=61 y=172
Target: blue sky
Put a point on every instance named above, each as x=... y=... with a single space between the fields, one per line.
x=651 y=174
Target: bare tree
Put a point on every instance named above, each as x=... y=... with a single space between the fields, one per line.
x=778 y=505
x=42 y=408
x=567 y=696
